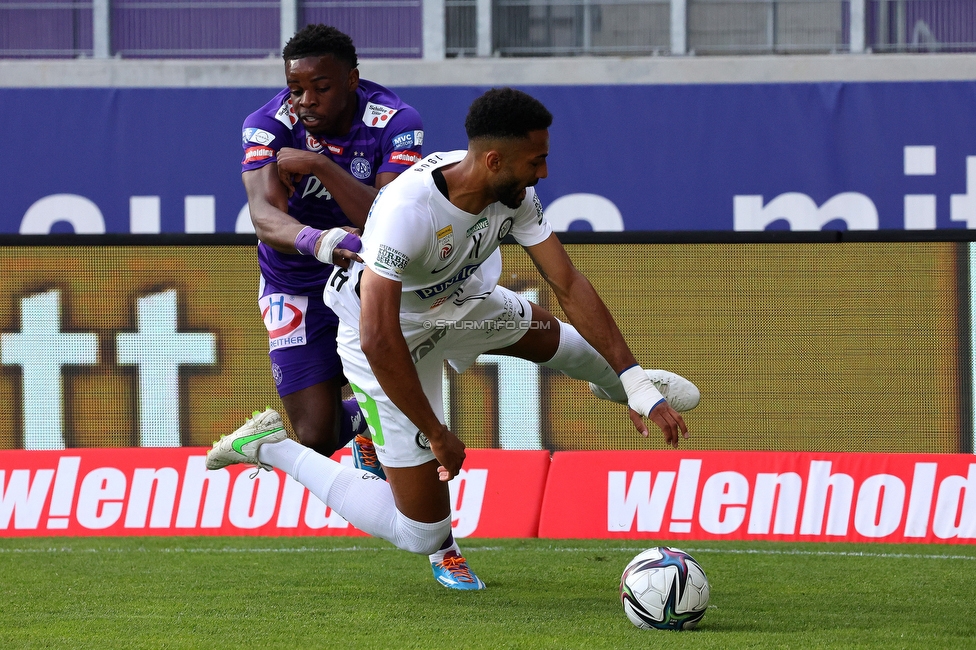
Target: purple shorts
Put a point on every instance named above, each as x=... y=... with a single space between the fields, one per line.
x=302 y=339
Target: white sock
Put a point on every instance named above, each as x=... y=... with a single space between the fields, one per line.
x=361 y=498
x=578 y=359
x=367 y=503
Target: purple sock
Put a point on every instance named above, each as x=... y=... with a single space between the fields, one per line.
x=448 y=543
x=351 y=421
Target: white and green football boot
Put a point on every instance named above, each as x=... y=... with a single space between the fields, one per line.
x=242 y=445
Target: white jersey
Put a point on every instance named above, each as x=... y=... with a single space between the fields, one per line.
x=438 y=252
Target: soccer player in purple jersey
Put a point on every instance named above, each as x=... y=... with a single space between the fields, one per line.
x=314 y=159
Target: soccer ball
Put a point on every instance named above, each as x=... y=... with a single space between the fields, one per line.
x=664 y=588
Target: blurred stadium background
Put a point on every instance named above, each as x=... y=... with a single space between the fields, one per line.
x=434 y=29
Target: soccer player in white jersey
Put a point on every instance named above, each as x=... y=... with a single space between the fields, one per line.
x=403 y=309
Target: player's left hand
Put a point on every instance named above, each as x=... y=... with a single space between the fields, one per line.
x=343 y=257
x=338 y=246
x=667 y=420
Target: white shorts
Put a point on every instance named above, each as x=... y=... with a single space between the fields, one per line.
x=498 y=322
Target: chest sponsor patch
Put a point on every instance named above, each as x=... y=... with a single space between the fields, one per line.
x=378 y=115
x=481 y=224
x=284 y=318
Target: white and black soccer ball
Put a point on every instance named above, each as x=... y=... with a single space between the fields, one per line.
x=664 y=588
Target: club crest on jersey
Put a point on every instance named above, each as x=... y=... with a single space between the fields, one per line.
x=378 y=115
x=286 y=115
x=505 y=229
x=360 y=167
x=445 y=242
x=257 y=136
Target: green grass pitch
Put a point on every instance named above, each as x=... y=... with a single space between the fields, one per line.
x=310 y=592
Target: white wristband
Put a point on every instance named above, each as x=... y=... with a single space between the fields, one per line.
x=329 y=240
x=642 y=394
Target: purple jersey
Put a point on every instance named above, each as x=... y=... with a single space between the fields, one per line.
x=386 y=136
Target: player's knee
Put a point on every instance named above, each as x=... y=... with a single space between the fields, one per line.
x=419 y=537
x=321 y=439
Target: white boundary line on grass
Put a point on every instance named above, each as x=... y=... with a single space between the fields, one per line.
x=356 y=549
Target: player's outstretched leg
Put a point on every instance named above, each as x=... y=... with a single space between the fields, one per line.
x=360 y=497
x=579 y=360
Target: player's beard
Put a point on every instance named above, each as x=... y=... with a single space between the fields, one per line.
x=510 y=193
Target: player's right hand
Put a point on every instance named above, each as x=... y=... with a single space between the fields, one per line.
x=669 y=421
x=449 y=452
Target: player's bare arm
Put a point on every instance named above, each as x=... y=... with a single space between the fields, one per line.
x=389 y=358
x=353 y=197
x=588 y=313
x=267 y=201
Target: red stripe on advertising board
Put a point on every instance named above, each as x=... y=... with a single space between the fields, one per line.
x=761 y=495
x=140 y=491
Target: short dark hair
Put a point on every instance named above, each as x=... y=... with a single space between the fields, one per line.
x=506 y=113
x=320 y=40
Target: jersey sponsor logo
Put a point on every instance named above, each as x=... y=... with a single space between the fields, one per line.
x=286 y=115
x=481 y=224
x=391 y=259
x=408 y=140
x=405 y=157
x=312 y=143
x=257 y=136
x=462 y=275
x=360 y=167
x=424 y=347
x=335 y=149
x=445 y=242
x=284 y=318
x=378 y=115
x=257 y=154
x=538 y=208
x=315 y=187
